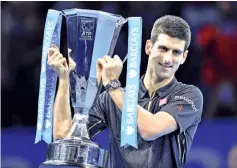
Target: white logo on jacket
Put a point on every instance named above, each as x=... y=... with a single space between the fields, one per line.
x=187 y=100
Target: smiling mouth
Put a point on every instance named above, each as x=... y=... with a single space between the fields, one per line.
x=165 y=66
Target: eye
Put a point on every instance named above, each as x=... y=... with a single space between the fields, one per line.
x=177 y=53
x=163 y=48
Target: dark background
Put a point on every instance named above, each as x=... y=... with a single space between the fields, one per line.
x=211 y=64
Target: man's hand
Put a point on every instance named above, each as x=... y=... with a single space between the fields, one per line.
x=109 y=68
x=57 y=62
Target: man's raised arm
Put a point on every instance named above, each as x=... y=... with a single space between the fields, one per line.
x=62 y=112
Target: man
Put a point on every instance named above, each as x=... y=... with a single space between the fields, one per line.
x=168 y=111
x=232 y=162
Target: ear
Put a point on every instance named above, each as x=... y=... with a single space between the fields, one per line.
x=148 y=47
x=185 y=56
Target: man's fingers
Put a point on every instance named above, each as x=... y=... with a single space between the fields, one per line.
x=101 y=63
x=54 y=46
x=65 y=64
x=70 y=60
x=108 y=59
x=72 y=64
x=117 y=59
x=58 y=57
x=51 y=51
x=59 y=63
x=51 y=58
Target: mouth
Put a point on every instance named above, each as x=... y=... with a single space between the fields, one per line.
x=166 y=66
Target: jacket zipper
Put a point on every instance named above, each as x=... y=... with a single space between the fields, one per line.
x=149 y=105
x=181 y=154
x=150 y=101
x=179 y=148
x=148 y=109
x=184 y=144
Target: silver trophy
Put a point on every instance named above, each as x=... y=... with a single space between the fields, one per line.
x=90 y=35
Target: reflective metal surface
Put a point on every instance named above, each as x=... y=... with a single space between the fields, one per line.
x=76 y=152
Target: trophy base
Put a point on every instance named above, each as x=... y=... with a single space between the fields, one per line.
x=75 y=152
x=61 y=164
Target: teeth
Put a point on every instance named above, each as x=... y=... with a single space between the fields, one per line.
x=165 y=66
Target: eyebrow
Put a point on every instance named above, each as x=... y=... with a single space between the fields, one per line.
x=177 y=50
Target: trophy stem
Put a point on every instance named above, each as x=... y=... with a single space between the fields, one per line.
x=79 y=127
x=78 y=110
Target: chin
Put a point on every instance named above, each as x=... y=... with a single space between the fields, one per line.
x=163 y=76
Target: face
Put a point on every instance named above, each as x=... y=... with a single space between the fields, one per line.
x=165 y=56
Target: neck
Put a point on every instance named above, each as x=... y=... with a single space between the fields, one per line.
x=153 y=83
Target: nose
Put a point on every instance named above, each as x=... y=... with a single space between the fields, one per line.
x=167 y=58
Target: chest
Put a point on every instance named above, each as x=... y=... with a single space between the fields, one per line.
x=153 y=104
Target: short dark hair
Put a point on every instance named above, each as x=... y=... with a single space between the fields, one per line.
x=173 y=26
